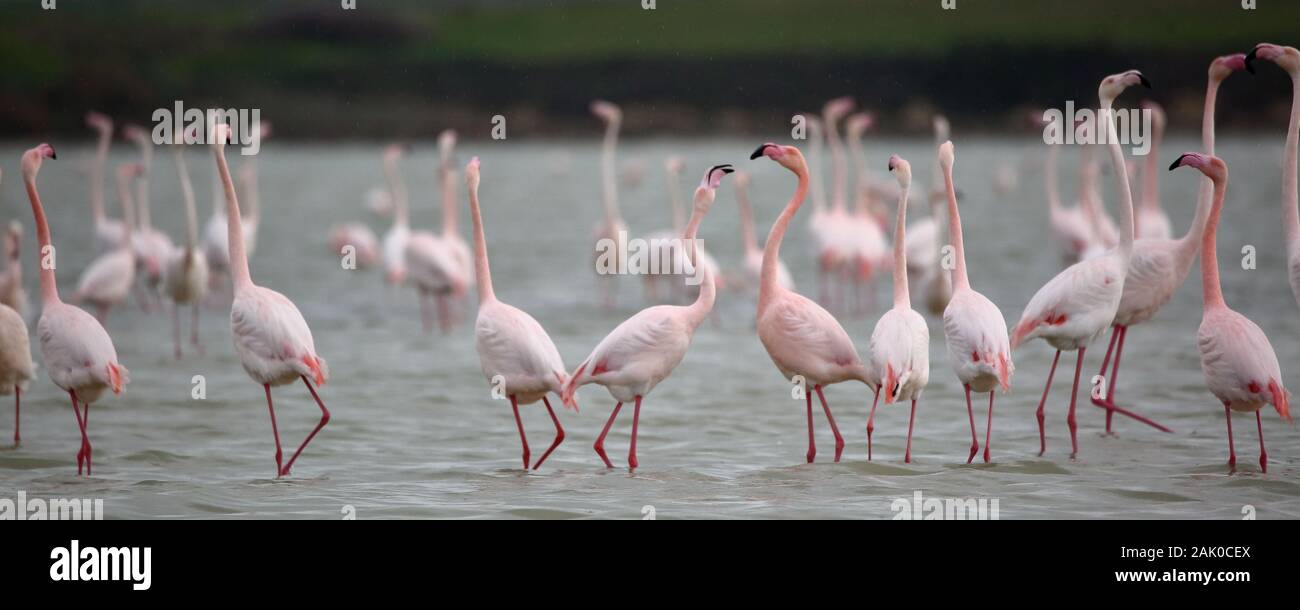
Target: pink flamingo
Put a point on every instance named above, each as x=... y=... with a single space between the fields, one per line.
x=611 y=224
x=272 y=340
x=456 y=244
x=900 y=343
x=12 y=293
x=185 y=274
x=1069 y=225
x=152 y=247
x=1240 y=366
x=108 y=279
x=394 y=243
x=1288 y=58
x=432 y=263
x=973 y=327
x=108 y=232
x=1152 y=221
x=804 y=340
x=1077 y=305
x=359 y=236
x=754 y=254
x=78 y=352
x=514 y=350
x=1160 y=265
x=643 y=351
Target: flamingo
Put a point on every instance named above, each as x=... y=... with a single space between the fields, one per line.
x=871 y=247
x=667 y=247
x=973 y=327
x=643 y=351
x=1160 y=265
x=394 y=244
x=1077 y=305
x=938 y=282
x=611 y=224
x=900 y=343
x=359 y=236
x=152 y=247
x=108 y=279
x=456 y=244
x=108 y=232
x=185 y=274
x=1152 y=221
x=514 y=350
x=1239 y=363
x=754 y=254
x=1069 y=225
x=432 y=267
x=821 y=226
x=215 y=234
x=805 y=341
x=1288 y=58
x=272 y=339
x=12 y=293
x=77 y=351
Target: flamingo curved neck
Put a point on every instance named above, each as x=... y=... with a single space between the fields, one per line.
x=609 y=181
x=187 y=191
x=449 y=218
x=959 y=277
x=839 y=165
x=234 y=225
x=704 y=300
x=768 y=284
x=1151 y=173
x=1290 y=199
x=49 y=288
x=1121 y=182
x=901 y=296
x=1191 y=240
x=402 y=212
x=746 y=222
x=482 y=271
x=97 y=176
x=1210 y=286
x=1050 y=180
x=128 y=211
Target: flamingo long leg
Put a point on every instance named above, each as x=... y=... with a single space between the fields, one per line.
x=176 y=330
x=18 y=399
x=636 y=419
x=1120 y=333
x=523 y=438
x=839 y=440
x=559 y=434
x=988 y=431
x=81 y=451
x=974 y=440
x=275 y=430
x=1074 y=397
x=444 y=314
x=194 y=328
x=1232 y=451
x=1263 y=455
x=812 y=443
x=1042 y=430
x=911 y=420
x=871 y=422
x=426 y=318
x=600 y=440
x=324 y=419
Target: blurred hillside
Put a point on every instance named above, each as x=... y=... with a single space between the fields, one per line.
x=408 y=69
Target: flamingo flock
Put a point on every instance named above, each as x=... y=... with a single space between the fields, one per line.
x=1119 y=274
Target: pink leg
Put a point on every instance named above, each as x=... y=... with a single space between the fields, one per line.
x=176 y=330
x=907 y=457
x=324 y=419
x=812 y=442
x=974 y=440
x=18 y=399
x=839 y=440
x=1263 y=455
x=871 y=422
x=636 y=419
x=988 y=431
x=1070 y=419
x=85 y=442
x=426 y=318
x=1042 y=430
x=1121 y=332
x=85 y=423
x=559 y=434
x=1114 y=377
x=523 y=438
x=275 y=430
x=101 y=313
x=194 y=328
x=444 y=314
x=1232 y=451
x=600 y=440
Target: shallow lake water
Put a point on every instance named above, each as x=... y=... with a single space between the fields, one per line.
x=416 y=434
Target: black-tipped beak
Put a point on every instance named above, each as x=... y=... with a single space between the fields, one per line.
x=1144 y=80
x=54 y=155
x=891 y=165
x=758 y=152
x=1177 y=162
x=1250 y=58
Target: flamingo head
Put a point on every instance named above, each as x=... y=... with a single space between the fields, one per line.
x=446 y=144
x=674 y=165
x=130 y=170
x=1288 y=58
x=1158 y=119
x=263 y=129
x=946 y=157
x=99 y=121
x=220 y=136
x=835 y=109
x=902 y=170
x=788 y=157
x=858 y=123
x=471 y=174
x=136 y=134
x=708 y=186
x=394 y=152
x=941 y=127
x=14 y=239
x=1223 y=66
x=32 y=160
x=1213 y=167
x=607 y=111
x=1115 y=84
